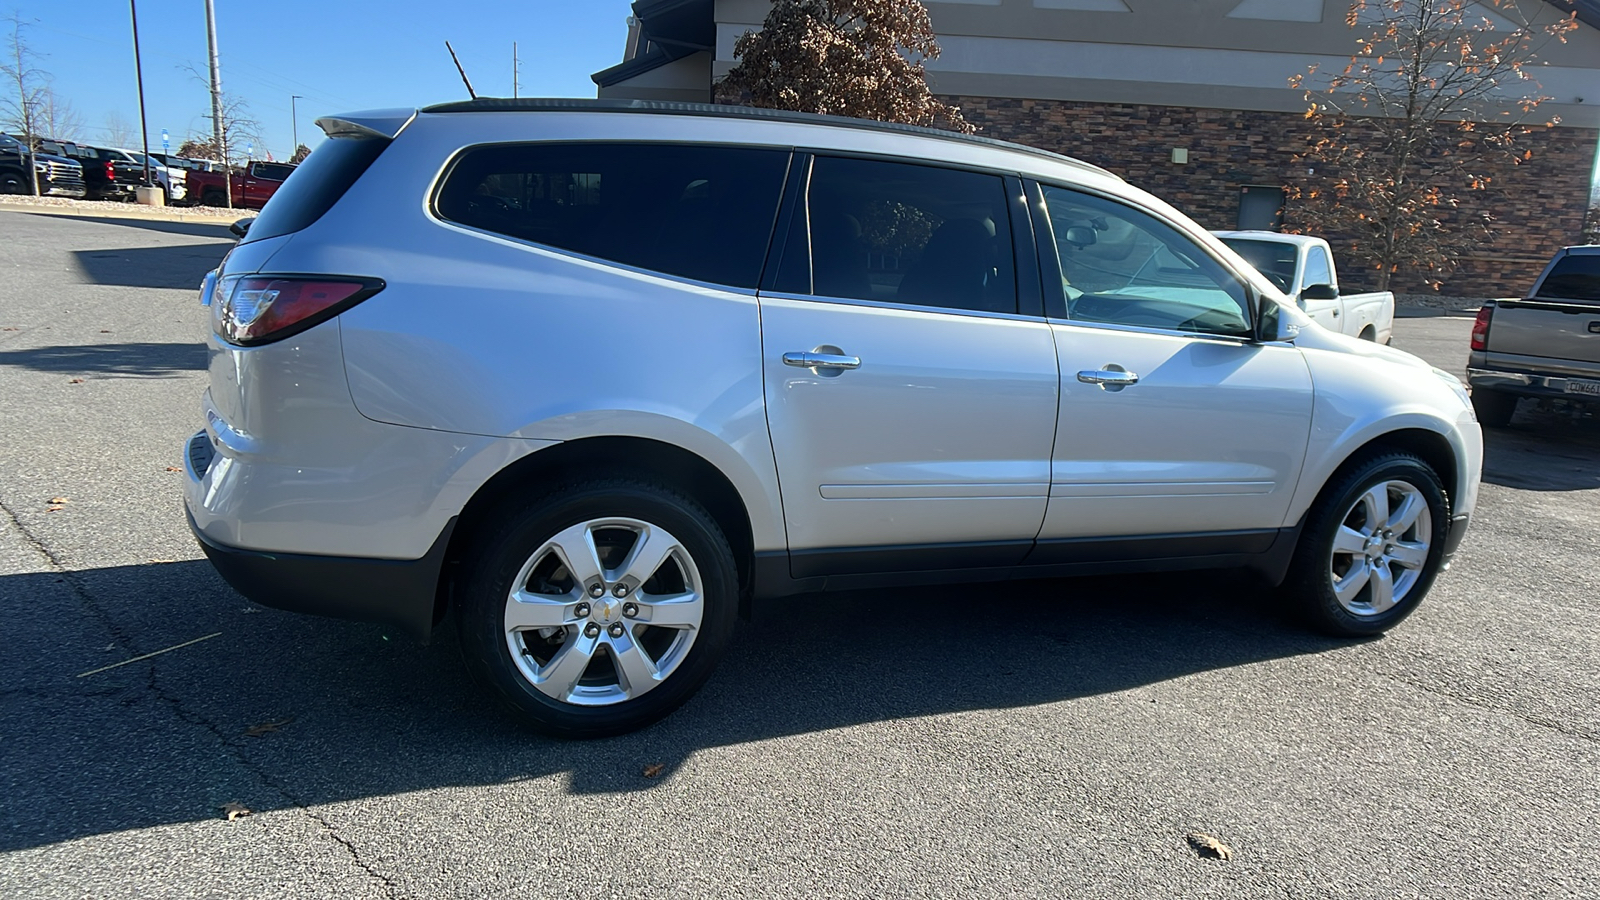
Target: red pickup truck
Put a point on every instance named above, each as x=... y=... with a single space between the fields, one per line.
x=253 y=185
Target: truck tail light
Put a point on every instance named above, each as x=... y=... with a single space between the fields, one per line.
x=111 y=171
x=255 y=309
x=1480 y=328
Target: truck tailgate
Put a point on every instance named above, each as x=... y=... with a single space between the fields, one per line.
x=1548 y=329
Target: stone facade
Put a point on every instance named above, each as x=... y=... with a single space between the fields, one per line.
x=1538 y=206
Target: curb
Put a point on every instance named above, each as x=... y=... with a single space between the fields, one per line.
x=134 y=211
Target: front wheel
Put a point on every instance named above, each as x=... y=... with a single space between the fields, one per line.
x=1372 y=546
x=599 y=608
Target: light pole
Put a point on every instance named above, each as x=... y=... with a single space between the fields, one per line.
x=294 y=126
x=138 y=70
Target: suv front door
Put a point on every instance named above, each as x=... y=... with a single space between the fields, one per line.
x=1174 y=423
x=912 y=406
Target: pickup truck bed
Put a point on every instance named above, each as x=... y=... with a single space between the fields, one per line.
x=1544 y=345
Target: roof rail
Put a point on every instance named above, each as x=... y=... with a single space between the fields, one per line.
x=676 y=108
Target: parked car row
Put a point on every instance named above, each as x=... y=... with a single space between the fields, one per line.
x=69 y=169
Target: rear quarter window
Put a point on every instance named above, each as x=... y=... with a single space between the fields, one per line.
x=316 y=185
x=1574 y=277
x=699 y=212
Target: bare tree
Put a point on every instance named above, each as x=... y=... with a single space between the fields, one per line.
x=57 y=118
x=118 y=130
x=859 y=58
x=25 y=86
x=1434 y=96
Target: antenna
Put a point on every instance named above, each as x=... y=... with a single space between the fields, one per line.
x=470 y=92
x=516 y=70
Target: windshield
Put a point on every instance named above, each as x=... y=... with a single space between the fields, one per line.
x=1274 y=259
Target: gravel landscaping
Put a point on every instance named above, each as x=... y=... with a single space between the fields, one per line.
x=115 y=206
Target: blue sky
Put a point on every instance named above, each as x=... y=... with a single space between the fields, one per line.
x=339 y=56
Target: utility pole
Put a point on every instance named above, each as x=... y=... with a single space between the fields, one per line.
x=138 y=71
x=516 y=70
x=294 y=124
x=216 y=85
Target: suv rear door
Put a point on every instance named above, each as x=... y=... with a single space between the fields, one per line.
x=1560 y=319
x=911 y=399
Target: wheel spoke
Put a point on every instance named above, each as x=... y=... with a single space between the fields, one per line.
x=636 y=672
x=1406 y=516
x=648 y=553
x=1376 y=503
x=671 y=610
x=1409 y=555
x=1353 y=581
x=1382 y=595
x=576 y=548
x=528 y=610
x=561 y=674
x=1348 y=540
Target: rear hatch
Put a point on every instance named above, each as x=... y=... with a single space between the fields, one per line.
x=1560 y=322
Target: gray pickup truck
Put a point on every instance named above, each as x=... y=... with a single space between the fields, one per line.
x=1546 y=345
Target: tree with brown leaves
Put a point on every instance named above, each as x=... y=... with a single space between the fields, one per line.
x=1433 y=96
x=859 y=58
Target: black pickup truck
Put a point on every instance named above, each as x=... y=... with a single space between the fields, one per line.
x=110 y=174
x=58 y=175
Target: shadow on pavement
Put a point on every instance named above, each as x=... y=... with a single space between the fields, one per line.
x=163 y=741
x=217 y=229
x=176 y=266
x=133 y=360
x=1550 y=446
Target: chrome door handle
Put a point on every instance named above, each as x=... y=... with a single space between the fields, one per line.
x=1115 y=377
x=821 y=361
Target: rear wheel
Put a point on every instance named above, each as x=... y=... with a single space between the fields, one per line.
x=1372 y=546
x=13 y=182
x=1494 y=408
x=599 y=608
x=213 y=197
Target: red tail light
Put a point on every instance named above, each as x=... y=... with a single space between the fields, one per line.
x=111 y=171
x=1480 y=329
x=259 y=310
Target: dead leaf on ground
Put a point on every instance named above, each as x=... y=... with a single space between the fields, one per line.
x=54 y=508
x=75 y=381
x=264 y=727
x=10 y=328
x=105 y=331
x=1208 y=846
x=173 y=469
x=235 y=810
x=653 y=770
x=59 y=500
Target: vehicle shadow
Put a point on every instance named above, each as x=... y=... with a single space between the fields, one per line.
x=217 y=229
x=360 y=711
x=173 y=266
x=1549 y=446
x=125 y=360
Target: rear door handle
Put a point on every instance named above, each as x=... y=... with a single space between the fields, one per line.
x=1103 y=377
x=821 y=361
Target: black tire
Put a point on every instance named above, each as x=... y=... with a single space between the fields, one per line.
x=510 y=541
x=1310 y=585
x=213 y=197
x=1494 y=408
x=13 y=181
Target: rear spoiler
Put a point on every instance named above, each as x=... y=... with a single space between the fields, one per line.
x=372 y=123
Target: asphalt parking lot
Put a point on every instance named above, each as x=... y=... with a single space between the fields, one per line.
x=1049 y=739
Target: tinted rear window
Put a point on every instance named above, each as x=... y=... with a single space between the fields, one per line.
x=704 y=213
x=316 y=185
x=1575 y=277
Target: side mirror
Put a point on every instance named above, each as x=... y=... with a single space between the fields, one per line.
x=1080 y=235
x=241 y=227
x=1319 y=292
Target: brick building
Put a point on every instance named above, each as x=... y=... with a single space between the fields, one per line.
x=1187 y=98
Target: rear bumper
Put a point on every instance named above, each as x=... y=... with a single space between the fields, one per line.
x=402 y=593
x=1527 y=384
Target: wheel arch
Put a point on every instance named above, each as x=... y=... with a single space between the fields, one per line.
x=647 y=457
x=1430 y=446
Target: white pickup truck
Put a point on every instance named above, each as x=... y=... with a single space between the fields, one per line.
x=1302 y=267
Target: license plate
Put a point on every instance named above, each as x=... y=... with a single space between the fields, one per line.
x=1591 y=388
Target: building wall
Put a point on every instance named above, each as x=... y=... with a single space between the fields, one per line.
x=1539 y=205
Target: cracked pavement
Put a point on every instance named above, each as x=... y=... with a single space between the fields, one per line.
x=1052 y=738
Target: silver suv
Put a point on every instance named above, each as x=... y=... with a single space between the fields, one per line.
x=592 y=377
